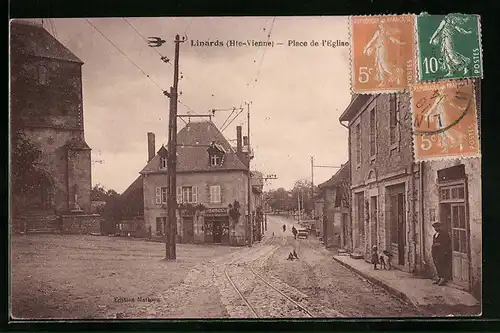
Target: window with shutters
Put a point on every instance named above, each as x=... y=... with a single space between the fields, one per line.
x=393 y=120
x=373 y=133
x=161 y=195
x=357 y=137
x=215 y=197
x=189 y=194
x=215 y=160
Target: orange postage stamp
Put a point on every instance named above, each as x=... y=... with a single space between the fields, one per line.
x=445 y=120
x=382 y=53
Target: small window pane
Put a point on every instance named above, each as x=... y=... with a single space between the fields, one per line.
x=461 y=217
x=456 y=241
x=461 y=192
x=454 y=193
x=463 y=244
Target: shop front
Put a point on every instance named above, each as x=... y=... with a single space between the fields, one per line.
x=216 y=225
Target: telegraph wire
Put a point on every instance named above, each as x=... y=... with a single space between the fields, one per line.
x=232 y=112
x=265 y=49
x=125 y=55
x=241 y=110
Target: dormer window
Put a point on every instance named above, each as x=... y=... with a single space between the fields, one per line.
x=216 y=154
x=163 y=162
x=215 y=160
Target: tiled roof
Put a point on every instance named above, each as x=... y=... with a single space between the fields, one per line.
x=197 y=136
x=341 y=174
x=34 y=40
x=135 y=186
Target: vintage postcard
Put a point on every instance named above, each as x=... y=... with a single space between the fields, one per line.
x=382 y=53
x=220 y=167
x=449 y=47
x=445 y=120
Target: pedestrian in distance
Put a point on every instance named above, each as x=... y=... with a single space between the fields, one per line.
x=375 y=257
x=294 y=231
x=284 y=227
x=441 y=253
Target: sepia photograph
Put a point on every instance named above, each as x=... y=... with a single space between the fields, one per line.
x=245 y=167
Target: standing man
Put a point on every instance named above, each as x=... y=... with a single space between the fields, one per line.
x=294 y=231
x=441 y=253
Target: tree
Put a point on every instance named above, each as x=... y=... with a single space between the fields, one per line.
x=278 y=199
x=112 y=210
x=25 y=158
x=302 y=190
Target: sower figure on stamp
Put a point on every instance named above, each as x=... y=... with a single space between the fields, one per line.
x=443 y=37
x=378 y=46
x=441 y=253
x=451 y=138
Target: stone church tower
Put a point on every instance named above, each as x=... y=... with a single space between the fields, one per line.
x=46 y=95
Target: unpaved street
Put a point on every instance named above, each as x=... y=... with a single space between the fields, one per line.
x=127 y=278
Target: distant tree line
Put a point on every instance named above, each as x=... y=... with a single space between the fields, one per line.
x=283 y=200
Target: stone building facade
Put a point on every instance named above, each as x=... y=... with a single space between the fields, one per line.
x=335 y=194
x=212 y=187
x=47 y=106
x=395 y=199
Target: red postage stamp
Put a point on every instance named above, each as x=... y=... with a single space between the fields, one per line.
x=445 y=120
x=382 y=53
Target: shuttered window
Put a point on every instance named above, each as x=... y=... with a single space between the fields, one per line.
x=161 y=195
x=189 y=194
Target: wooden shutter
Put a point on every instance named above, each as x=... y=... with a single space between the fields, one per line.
x=217 y=194
x=195 y=194
x=221 y=190
x=158 y=195
x=179 y=194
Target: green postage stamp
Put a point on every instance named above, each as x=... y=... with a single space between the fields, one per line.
x=449 y=46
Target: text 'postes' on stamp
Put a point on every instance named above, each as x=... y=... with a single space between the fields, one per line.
x=382 y=53
x=449 y=47
x=444 y=120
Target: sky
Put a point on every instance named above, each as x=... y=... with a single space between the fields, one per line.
x=297 y=93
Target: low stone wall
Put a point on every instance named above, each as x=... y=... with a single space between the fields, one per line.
x=84 y=224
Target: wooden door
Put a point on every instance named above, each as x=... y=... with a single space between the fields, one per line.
x=188 y=229
x=460 y=245
x=373 y=221
x=217 y=231
x=398 y=227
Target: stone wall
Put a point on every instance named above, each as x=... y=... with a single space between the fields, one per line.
x=84 y=224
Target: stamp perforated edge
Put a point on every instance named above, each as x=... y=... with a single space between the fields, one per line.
x=450 y=157
x=351 y=65
x=418 y=78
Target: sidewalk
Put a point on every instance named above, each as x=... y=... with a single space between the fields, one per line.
x=431 y=299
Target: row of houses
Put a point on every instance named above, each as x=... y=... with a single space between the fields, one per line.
x=212 y=189
x=383 y=197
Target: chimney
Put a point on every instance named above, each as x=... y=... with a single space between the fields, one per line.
x=238 y=140
x=151 y=146
x=245 y=141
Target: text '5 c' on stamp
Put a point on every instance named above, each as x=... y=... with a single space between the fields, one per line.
x=382 y=53
x=449 y=47
x=444 y=120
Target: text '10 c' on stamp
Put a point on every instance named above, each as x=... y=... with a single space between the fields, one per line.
x=382 y=53
x=449 y=47
x=444 y=120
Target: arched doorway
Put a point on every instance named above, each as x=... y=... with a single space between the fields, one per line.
x=40 y=196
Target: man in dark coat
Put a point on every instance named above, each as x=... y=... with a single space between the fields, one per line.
x=294 y=231
x=441 y=253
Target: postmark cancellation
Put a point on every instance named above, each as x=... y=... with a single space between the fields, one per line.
x=444 y=120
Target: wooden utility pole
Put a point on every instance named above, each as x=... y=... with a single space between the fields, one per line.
x=171 y=228
x=249 y=179
x=312 y=185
